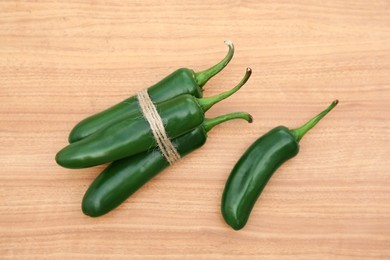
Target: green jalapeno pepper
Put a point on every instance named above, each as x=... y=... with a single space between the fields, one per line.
x=134 y=135
x=256 y=166
x=124 y=177
x=181 y=81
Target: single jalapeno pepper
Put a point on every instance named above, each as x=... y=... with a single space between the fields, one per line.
x=134 y=135
x=181 y=81
x=256 y=166
x=124 y=177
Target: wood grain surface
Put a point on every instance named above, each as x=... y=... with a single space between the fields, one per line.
x=61 y=61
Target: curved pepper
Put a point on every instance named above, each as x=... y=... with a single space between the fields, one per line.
x=181 y=81
x=124 y=177
x=256 y=166
x=133 y=135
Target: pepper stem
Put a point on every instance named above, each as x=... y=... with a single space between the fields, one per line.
x=209 y=123
x=207 y=103
x=202 y=77
x=301 y=131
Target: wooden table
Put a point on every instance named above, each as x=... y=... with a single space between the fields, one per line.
x=61 y=61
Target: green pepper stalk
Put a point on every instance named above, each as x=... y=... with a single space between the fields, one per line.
x=256 y=166
x=181 y=81
x=133 y=135
x=124 y=177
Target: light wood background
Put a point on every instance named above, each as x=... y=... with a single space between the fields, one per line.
x=61 y=61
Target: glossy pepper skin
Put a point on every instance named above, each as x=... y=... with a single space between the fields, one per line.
x=252 y=172
x=181 y=81
x=124 y=177
x=256 y=166
x=133 y=135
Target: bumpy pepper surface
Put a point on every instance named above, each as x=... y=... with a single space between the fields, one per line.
x=256 y=166
x=124 y=177
x=181 y=81
x=133 y=135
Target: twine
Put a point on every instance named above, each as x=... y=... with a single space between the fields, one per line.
x=151 y=115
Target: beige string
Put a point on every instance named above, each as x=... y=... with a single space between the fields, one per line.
x=151 y=115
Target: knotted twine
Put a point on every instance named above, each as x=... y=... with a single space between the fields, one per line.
x=150 y=113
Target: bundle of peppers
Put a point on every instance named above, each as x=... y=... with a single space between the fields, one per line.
x=123 y=136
